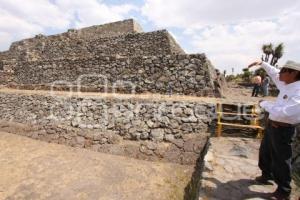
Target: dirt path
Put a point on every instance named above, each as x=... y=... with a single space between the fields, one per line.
x=236 y=93
x=35 y=170
x=233 y=94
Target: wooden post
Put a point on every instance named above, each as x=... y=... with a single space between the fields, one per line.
x=253 y=117
x=259 y=134
x=256 y=123
x=219 y=115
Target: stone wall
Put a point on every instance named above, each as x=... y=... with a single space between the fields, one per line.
x=124 y=38
x=88 y=33
x=108 y=30
x=5 y=77
x=138 y=44
x=129 y=60
x=157 y=130
x=174 y=46
x=6 y=73
x=69 y=43
x=60 y=46
x=1 y=65
x=182 y=74
x=3 y=56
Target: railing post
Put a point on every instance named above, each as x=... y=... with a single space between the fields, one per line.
x=219 y=115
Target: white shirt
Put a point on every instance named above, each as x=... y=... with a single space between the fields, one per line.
x=286 y=108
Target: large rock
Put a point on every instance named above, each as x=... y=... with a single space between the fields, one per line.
x=157 y=134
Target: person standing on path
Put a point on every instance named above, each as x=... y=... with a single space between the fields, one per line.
x=257 y=83
x=275 y=153
x=265 y=85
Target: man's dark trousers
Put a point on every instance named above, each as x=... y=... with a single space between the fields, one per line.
x=255 y=90
x=275 y=156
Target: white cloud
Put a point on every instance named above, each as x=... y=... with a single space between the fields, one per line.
x=20 y=19
x=12 y=24
x=91 y=12
x=235 y=46
x=231 y=32
x=40 y=12
x=5 y=39
x=194 y=13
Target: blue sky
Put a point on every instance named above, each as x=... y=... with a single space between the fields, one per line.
x=230 y=32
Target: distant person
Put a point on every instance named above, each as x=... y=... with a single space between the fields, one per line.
x=256 y=80
x=265 y=85
x=217 y=84
x=275 y=152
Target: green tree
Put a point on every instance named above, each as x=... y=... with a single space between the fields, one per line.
x=267 y=50
x=230 y=78
x=276 y=52
x=246 y=75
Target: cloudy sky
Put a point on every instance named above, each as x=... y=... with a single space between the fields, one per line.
x=229 y=32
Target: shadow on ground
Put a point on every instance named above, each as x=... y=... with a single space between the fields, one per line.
x=237 y=189
x=191 y=191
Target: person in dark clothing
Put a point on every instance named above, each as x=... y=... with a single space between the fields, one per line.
x=265 y=85
x=257 y=83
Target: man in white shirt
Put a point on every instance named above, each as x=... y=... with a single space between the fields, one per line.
x=275 y=151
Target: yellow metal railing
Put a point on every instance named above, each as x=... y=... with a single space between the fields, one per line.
x=254 y=123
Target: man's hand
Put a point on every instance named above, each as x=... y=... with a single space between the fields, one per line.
x=260 y=101
x=255 y=63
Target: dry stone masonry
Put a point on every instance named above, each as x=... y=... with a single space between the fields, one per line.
x=60 y=47
x=183 y=74
x=116 y=57
x=73 y=42
x=120 y=58
x=160 y=130
x=147 y=62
